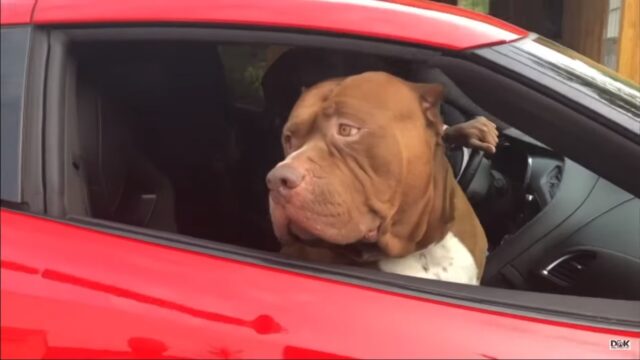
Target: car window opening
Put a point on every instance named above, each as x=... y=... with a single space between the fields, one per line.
x=179 y=136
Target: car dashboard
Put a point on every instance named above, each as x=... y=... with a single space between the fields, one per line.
x=554 y=226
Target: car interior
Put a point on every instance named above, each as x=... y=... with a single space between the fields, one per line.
x=157 y=135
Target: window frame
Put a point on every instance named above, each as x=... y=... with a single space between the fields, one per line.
x=23 y=186
x=604 y=313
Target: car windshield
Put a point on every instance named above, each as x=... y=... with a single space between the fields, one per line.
x=569 y=75
x=585 y=75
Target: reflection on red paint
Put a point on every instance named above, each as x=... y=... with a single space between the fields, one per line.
x=14 y=266
x=292 y=352
x=19 y=343
x=225 y=353
x=144 y=347
x=263 y=324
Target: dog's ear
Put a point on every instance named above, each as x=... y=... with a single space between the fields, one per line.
x=430 y=97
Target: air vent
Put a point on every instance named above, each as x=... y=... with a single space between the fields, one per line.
x=566 y=270
x=553 y=180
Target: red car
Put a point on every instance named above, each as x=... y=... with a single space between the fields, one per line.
x=136 y=136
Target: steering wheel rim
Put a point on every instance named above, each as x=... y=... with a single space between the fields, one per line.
x=470 y=171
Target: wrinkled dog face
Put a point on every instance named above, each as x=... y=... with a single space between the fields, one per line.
x=349 y=146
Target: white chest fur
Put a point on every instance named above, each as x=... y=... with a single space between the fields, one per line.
x=447 y=260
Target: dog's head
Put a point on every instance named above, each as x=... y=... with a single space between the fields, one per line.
x=359 y=163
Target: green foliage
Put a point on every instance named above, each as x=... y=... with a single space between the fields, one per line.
x=481 y=6
x=244 y=67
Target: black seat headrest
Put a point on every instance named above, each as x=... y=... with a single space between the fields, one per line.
x=305 y=67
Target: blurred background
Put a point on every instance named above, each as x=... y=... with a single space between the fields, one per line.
x=607 y=31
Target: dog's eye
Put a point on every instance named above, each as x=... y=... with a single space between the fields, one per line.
x=347 y=130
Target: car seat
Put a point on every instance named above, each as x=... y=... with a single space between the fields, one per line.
x=107 y=177
x=176 y=95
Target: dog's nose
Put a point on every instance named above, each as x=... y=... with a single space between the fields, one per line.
x=284 y=176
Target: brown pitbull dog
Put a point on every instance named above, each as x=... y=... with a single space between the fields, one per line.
x=366 y=182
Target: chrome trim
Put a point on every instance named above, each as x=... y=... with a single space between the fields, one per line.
x=555 y=263
x=466 y=152
x=527 y=174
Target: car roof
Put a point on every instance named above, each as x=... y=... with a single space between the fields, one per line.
x=412 y=21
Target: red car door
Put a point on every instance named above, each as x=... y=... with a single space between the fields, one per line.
x=73 y=292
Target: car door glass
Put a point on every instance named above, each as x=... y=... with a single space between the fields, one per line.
x=14 y=46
